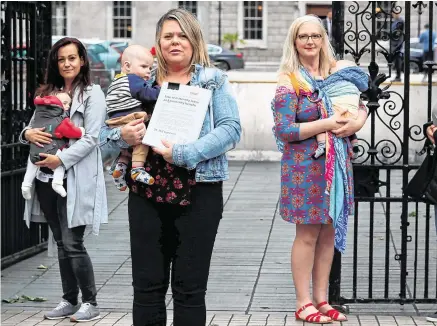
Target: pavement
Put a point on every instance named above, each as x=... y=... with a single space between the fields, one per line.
x=250 y=280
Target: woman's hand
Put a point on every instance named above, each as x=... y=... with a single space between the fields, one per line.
x=37 y=136
x=167 y=152
x=430 y=133
x=334 y=122
x=350 y=126
x=50 y=161
x=133 y=132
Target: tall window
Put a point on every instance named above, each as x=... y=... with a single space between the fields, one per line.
x=252 y=23
x=59 y=18
x=253 y=20
x=190 y=6
x=122 y=19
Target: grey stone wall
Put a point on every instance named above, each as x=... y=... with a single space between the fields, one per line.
x=229 y=19
x=280 y=15
x=87 y=19
x=147 y=15
x=94 y=19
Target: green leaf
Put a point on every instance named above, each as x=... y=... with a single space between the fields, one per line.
x=11 y=300
x=23 y=298
x=36 y=299
x=39 y=299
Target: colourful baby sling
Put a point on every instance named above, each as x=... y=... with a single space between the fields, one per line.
x=339 y=184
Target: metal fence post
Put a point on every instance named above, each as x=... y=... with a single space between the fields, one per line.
x=26 y=41
x=338 y=28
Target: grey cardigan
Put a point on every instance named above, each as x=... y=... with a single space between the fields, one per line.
x=86 y=198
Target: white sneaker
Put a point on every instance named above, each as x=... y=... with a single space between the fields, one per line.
x=63 y=310
x=87 y=312
x=432 y=317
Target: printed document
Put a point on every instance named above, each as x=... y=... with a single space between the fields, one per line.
x=178 y=115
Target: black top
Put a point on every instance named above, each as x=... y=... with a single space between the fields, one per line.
x=172 y=183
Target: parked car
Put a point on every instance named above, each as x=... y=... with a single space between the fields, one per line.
x=119 y=46
x=99 y=74
x=225 y=59
x=416 y=54
x=107 y=54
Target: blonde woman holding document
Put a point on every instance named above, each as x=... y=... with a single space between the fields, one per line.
x=173 y=223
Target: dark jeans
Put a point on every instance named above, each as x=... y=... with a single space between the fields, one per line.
x=74 y=262
x=164 y=234
x=425 y=57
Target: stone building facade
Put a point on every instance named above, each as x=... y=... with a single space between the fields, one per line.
x=262 y=24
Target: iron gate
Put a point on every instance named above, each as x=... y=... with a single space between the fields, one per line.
x=25 y=42
x=391 y=248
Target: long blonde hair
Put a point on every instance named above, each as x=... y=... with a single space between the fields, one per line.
x=290 y=58
x=191 y=28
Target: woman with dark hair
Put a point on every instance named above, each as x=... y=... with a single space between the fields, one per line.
x=173 y=223
x=85 y=204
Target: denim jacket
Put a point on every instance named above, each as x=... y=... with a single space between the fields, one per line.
x=220 y=132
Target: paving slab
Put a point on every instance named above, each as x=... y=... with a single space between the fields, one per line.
x=250 y=281
x=215 y=318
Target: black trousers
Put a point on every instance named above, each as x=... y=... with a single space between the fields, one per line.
x=425 y=57
x=398 y=66
x=74 y=262
x=183 y=237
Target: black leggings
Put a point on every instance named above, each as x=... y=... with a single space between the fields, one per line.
x=161 y=234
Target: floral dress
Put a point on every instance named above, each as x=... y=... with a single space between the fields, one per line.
x=302 y=199
x=172 y=183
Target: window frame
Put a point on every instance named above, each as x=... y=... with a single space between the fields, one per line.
x=55 y=17
x=252 y=43
x=188 y=5
x=120 y=18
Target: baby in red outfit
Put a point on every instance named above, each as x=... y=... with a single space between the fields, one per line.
x=51 y=113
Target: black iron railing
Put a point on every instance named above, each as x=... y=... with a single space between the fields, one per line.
x=25 y=42
x=390 y=252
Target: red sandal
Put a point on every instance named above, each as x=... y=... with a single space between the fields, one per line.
x=331 y=313
x=314 y=318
